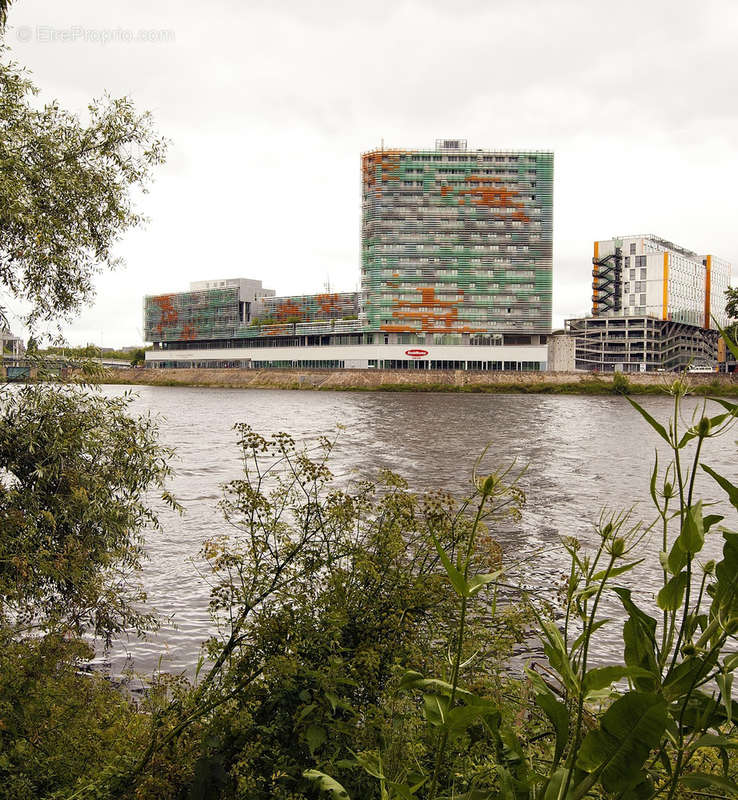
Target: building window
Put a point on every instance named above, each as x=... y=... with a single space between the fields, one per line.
x=632 y=248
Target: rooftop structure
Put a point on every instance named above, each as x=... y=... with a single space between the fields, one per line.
x=456 y=241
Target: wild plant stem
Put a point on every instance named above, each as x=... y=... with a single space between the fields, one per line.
x=665 y=549
x=459 y=648
x=580 y=704
x=680 y=725
x=688 y=588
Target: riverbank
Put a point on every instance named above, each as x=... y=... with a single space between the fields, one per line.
x=362 y=380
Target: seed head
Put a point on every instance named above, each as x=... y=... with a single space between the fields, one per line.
x=618 y=547
x=703 y=427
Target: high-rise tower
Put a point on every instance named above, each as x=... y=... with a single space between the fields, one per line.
x=457 y=242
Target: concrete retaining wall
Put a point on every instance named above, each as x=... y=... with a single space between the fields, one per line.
x=363 y=379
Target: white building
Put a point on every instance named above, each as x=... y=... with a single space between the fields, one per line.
x=645 y=276
x=654 y=306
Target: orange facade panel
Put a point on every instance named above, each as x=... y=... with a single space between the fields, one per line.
x=665 y=299
x=708 y=279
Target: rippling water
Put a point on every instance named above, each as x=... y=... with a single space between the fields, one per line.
x=582 y=453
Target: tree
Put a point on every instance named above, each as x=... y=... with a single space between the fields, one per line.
x=76 y=467
x=138 y=356
x=731 y=309
x=3 y=13
x=731 y=302
x=65 y=191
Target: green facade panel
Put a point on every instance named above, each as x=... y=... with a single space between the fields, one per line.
x=457 y=241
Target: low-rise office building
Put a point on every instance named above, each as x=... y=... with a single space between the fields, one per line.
x=238 y=323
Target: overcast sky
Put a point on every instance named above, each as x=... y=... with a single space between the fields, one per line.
x=269 y=105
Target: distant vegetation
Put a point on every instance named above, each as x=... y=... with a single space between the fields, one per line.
x=136 y=356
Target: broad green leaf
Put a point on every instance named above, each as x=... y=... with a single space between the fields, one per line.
x=643 y=790
x=731 y=407
x=326 y=783
x=617 y=571
x=654 y=476
x=410 y=679
x=537 y=681
x=333 y=699
x=371 y=762
x=725 y=684
x=307 y=710
x=731 y=662
x=602 y=677
x=506 y=785
x=680 y=680
x=639 y=635
x=629 y=730
x=478 y=581
x=414 y=680
x=725 y=589
x=650 y=420
x=703 y=780
x=557 y=713
x=315 y=736
x=725 y=484
x=692 y=536
x=555 y=785
x=558 y=658
x=460 y=718
x=710 y=520
x=711 y=740
x=701 y=711
x=406 y=791
x=456 y=578
x=677 y=558
x=671 y=595
x=435 y=708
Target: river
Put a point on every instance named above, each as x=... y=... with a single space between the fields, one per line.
x=582 y=452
